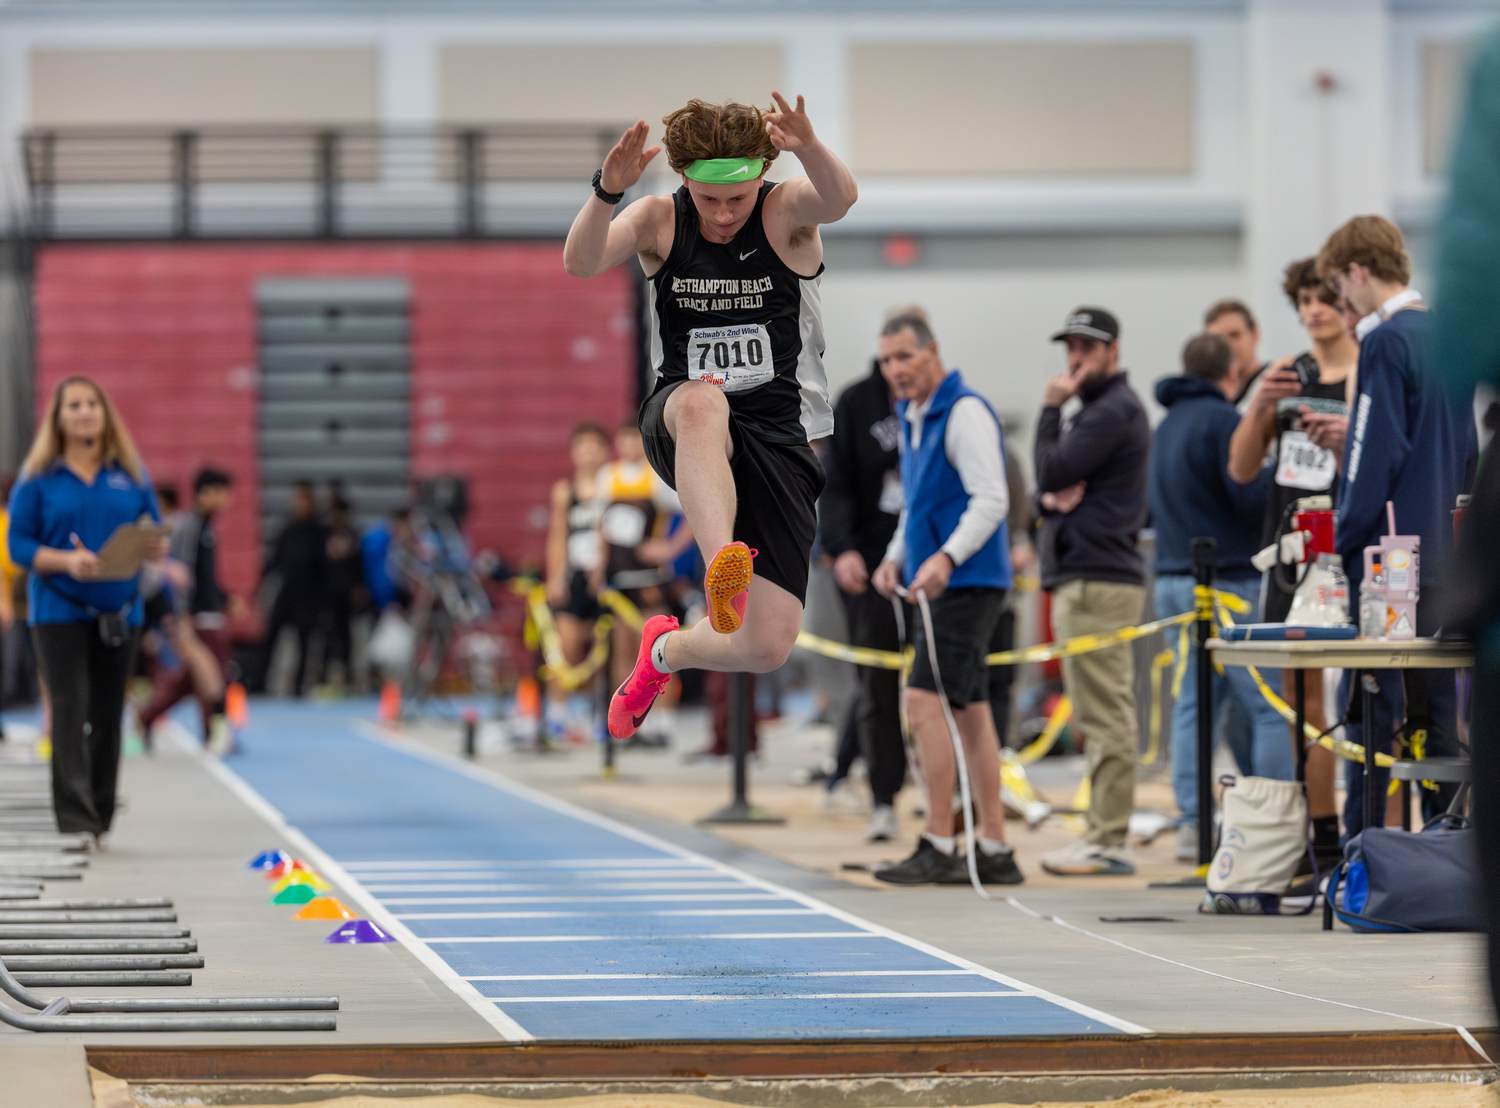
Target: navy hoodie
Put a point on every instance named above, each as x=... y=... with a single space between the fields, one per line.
x=1192 y=494
x=1409 y=444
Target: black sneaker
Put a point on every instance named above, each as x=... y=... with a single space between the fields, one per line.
x=927 y=866
x=994 y=869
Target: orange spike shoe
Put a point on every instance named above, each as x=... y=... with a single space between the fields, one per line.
x=725 y=584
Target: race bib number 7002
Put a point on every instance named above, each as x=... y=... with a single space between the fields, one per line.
x=1304 y=464
x=735 y=359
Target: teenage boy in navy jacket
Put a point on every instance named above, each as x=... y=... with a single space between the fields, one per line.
x=1193 y=496
x=1409 y=444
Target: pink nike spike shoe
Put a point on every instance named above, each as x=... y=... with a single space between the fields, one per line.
x=633 y=700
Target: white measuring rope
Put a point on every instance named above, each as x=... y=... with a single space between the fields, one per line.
x=1463 y=1031
x=960 y=762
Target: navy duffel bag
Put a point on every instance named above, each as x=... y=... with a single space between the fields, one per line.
x=1396 y=881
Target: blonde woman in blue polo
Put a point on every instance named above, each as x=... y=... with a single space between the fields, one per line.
x=81 y=479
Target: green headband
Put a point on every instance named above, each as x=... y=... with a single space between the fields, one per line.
x=725 y=171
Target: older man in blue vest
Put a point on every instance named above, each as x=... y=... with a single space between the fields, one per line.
x=950 y=545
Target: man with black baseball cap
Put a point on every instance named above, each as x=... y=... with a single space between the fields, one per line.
x=1092 y=478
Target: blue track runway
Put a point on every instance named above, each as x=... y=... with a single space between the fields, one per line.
x=556 y=923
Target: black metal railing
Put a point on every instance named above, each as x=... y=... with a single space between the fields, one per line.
x=314 y=182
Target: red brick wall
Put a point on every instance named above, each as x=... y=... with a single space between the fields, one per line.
x=508 y=352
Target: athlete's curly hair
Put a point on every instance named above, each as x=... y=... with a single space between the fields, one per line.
x=701 y=130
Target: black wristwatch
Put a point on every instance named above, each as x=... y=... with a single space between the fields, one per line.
x=607 y=197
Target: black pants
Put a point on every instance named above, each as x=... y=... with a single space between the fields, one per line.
x=300 y=612
x=877 y=707
x=1002 y=678
x=86 y=681
x=339 y=639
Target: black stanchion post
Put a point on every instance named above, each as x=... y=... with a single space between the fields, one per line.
x=471 y=734
x=601 y=706
x=739 y=808
x=1205 y=553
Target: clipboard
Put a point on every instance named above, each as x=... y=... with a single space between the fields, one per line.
x=121 y=556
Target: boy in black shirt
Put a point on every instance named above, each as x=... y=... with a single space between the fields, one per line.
x=1266 y=436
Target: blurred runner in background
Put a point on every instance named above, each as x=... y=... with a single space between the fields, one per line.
x=573 y=558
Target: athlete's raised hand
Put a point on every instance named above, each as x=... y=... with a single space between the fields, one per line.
x=624 y=164
x=789 y=128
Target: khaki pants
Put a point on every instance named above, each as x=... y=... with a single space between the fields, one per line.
x=1102 y=688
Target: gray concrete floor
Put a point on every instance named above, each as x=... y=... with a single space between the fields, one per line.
x=183 y=835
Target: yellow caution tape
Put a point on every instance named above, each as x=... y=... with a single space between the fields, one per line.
x=1082 y=644
x=859 y=655
x=1153 y=746
x=1038 y=748
x=1014 y=784
x=541 y=632
x=620 y=604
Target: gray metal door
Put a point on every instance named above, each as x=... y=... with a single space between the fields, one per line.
x=335 y=392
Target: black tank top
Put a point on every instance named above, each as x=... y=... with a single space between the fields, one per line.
x=583 y=531
x=735 y=315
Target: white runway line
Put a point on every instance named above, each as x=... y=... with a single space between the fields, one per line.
x=642 y=899
x=648 y=938
x=699 y=976
x=682 y=854
x=557 y=915
x=389 y=887
x=556 y=863
x=714 y=998
x=502 y=873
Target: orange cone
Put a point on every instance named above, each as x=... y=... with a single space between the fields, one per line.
x=236 y=704
x=529 y=697
x=390 y=702
x=325 y=907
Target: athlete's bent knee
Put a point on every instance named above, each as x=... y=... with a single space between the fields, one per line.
x=699 y=404
x=769 y=653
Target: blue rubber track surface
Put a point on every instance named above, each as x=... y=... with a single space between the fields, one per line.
x=574 y=927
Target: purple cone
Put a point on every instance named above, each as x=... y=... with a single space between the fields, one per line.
x=359 y=931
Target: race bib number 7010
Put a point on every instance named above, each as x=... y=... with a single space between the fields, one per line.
x=735 y=359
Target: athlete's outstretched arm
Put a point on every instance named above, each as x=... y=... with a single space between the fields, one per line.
x=828 y=191
x=597 y=241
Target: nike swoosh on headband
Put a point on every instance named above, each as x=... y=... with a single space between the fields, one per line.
x=725 y=171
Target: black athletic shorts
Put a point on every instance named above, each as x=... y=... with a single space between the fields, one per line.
x=777 y=486
x=158 y=608
x=581 y=603
x=963 y=622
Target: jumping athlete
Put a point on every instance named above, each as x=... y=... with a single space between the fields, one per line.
x=734 y=263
